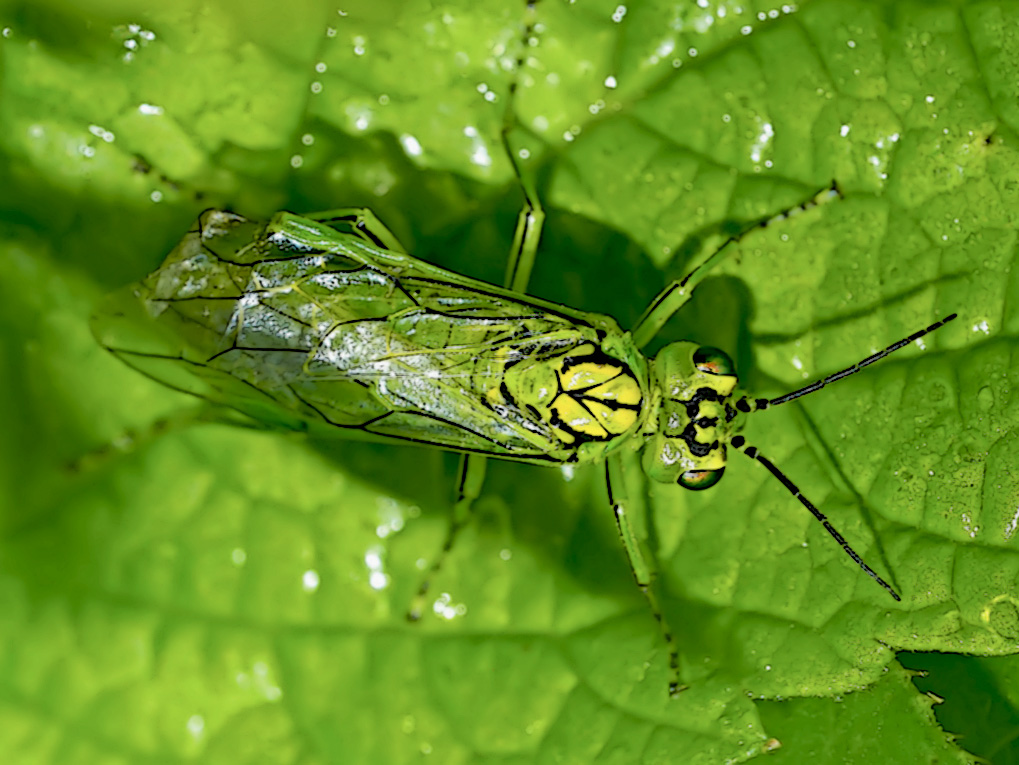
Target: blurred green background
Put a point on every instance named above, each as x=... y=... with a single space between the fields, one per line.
x=206 y=593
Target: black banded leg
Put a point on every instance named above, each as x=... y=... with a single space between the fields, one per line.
x=642 y=572
x=472 y=477
x=676 y=295
x=361 y=222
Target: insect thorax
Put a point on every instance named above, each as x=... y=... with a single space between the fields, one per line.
x=693 y=415
x=584 y=394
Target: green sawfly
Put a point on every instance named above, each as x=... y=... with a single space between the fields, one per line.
x=324 y=321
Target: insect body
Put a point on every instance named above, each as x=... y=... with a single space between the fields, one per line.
x=304 y=321
x=322 y=322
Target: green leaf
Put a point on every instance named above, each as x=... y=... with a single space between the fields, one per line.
x=900 y=726
x=199 y=592
x=979 y=699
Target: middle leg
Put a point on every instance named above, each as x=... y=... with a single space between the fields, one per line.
x=472 y=468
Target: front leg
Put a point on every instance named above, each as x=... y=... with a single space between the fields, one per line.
x=642 y=570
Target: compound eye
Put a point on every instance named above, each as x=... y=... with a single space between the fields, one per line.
x=713 y=361
x=700 y=479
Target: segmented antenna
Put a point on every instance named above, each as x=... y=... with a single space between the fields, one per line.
x=858 y=366
x=740 y=443
x=751 y=451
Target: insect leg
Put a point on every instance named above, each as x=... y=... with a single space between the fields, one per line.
x=528 y=231
x=675 y=295
x=363 y=223
x=472 y=468
x=132 y=439
x=531 y=218
x=643 y=573
x=472 y=476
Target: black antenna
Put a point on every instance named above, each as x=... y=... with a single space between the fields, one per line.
x=764 y=404
x=752 y=452
x=746 y=405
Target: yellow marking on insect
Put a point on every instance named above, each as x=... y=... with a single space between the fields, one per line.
x=621 y=420
x=623 y=389
x=614 y=420
x=713 y=460
x=587 y=375
x=577 y=417
x=565 y=436
x=598 y=398
x=724 y=385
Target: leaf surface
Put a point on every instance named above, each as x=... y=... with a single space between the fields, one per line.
x=200 y=592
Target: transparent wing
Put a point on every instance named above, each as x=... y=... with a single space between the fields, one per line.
x=302 y=326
